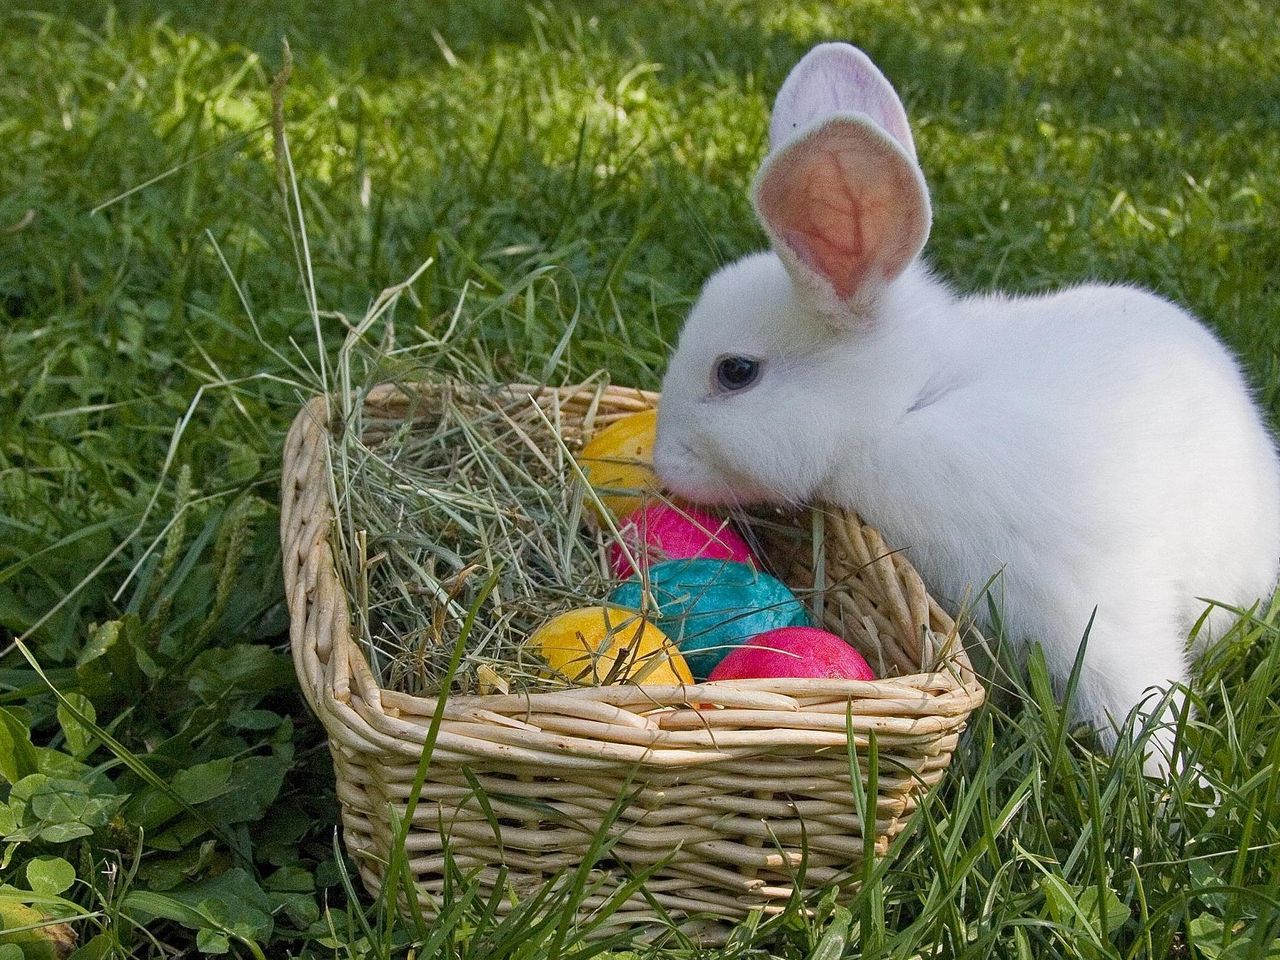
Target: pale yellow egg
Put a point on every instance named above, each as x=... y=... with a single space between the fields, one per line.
x=618 y=462
x=596 y=645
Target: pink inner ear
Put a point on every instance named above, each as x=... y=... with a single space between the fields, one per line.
x=827 y=229
x=847 y=203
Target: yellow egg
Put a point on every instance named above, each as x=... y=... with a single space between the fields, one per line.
x=618 y=462
x=596 y=645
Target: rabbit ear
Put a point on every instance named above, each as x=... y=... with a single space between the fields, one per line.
x=842 y=197
x=835 y=78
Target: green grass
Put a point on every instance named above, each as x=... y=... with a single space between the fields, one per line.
x=177 y=793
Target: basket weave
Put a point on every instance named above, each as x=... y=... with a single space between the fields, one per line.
x=735 y=785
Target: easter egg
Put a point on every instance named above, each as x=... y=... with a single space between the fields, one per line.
x=794 y=652
x=618 y=462
x=595 y=645
x=662 y=532
x=708 y=607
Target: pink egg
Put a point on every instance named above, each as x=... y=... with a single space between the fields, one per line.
x=661 y=532
x=793 y=652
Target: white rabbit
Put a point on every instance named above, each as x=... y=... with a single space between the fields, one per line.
x=1096 y=447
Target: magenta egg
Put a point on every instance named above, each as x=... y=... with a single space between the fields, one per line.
x=801 y=652
x=661 y=532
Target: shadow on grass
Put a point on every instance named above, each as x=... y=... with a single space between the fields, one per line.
x=1196 y=64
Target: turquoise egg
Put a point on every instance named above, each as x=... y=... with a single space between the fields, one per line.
x=708 y=606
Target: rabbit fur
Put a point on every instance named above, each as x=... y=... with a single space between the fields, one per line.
x=1097 y=450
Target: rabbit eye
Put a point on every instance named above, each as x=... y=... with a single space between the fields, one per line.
x=736 y=373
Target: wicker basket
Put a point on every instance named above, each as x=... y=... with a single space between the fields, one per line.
x=733 y=785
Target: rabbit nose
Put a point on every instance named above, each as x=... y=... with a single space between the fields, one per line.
x=669 y=453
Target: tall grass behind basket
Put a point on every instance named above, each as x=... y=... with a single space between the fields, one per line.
x=734 y=795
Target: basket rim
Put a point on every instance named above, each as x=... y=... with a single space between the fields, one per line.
x=338 y=683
